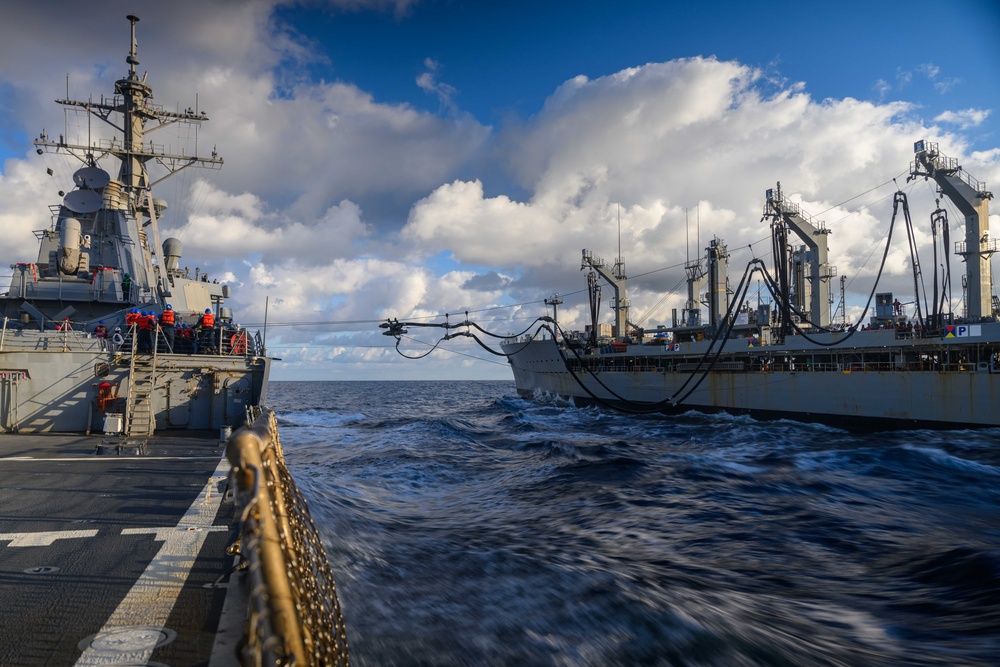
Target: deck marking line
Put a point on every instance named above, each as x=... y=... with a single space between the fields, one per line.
x=154 y=594
x=44 y=538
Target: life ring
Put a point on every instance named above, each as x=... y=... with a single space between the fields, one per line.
x=238 y=343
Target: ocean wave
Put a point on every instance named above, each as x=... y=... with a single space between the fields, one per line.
x=481 y=528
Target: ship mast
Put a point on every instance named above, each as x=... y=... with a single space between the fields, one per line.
x=973 y=200
x=133 y=101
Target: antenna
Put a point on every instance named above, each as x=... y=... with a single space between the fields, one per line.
x=687 y=239
x=131 y=59
x=263 y=343
x=619 y=231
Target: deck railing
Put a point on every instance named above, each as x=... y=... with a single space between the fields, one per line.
x=224 y=340
x=294 y=615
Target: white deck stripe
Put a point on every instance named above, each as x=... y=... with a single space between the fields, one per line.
x=43 y=538
x=152 y=597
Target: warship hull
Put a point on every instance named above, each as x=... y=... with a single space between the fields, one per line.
x=875 y=380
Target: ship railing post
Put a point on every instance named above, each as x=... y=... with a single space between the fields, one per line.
x=3 y=334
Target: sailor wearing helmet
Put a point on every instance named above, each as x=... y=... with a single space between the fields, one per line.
x=117 y=339
x=167 y=321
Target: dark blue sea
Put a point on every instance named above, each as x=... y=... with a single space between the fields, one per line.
x=467 y=526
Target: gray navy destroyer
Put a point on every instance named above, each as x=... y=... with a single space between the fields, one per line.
x=102 y=258
x=135 y=527
x=787 y=359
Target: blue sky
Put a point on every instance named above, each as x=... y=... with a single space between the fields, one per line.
x=408 y=158
x=505 y=58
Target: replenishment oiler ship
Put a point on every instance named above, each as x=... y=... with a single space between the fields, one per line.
x=787 y=359
x=137 y=527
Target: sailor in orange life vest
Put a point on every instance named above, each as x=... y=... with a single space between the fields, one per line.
x=145 y=342
x=154 y=326
x=207 y=324
x=167 y=321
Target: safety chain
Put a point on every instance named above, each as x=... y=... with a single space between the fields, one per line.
x=295 y=615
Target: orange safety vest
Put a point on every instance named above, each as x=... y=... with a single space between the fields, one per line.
x=208 y=320
x=104 y=396
x=130 y=318
x=167 y=318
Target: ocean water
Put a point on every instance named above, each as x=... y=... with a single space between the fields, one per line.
x=467 y=526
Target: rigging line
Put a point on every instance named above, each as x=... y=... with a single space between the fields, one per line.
x=483 y=310
x=863 y=194
x=679 y=266
x=251 y=324
x=661 y=301
x=875 y=247
x=299 y=323
x=909 y=186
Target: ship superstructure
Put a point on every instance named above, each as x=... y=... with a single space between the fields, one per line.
x=100 y=259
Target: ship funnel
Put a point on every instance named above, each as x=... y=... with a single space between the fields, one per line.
x=172 y=249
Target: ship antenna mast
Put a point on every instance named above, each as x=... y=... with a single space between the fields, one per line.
x=132 y=60
x=687 y=239
x=619 y=267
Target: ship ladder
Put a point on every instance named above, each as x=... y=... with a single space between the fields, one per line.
x=140 y=420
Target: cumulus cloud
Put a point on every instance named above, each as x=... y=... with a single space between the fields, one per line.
x=243 y=225
x=964 y=119
x=339 y=210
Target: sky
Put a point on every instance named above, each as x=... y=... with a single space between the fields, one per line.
x=411 y=158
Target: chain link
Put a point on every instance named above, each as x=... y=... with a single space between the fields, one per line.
x=317 y=632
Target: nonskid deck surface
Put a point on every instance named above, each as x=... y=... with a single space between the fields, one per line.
x=108 y=558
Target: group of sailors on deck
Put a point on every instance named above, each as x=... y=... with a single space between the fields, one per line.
x=202 y=336
x=179 y=337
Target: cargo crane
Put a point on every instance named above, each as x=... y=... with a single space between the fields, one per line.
x=972 y=199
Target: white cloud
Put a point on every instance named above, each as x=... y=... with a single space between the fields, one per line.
x=929 y=70
x=291 y=217
x=428 y=81
x=964 y=119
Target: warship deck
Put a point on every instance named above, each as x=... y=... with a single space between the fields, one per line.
x=110 y=558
